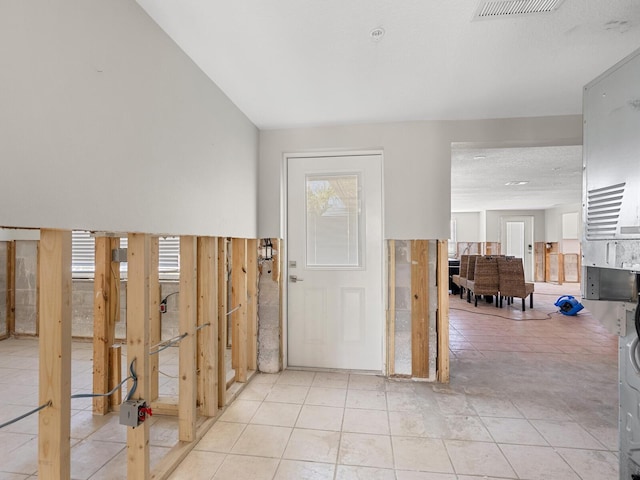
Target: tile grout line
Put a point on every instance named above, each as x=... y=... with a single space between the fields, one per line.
x=344 y=410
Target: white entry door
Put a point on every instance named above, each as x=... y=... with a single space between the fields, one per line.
x=334 y=238
x=517 y=241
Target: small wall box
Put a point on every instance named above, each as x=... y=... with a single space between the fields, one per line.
x=130 y=412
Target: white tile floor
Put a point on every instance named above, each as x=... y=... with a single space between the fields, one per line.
x=532 y=396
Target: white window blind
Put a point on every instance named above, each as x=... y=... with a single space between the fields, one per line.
x=169 y=253
x=83 y=255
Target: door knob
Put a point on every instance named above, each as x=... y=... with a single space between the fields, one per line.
x=294 y=279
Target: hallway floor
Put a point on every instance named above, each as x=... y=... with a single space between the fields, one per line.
x=532 y=396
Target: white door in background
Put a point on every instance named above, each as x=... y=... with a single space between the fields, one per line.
x=334 y=260
x=517 y=241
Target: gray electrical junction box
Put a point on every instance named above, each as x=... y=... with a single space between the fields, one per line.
x=130 y=412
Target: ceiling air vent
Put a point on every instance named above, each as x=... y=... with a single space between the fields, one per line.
x=603 y=211
x=509 y=8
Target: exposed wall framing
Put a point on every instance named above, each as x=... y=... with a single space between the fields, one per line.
x=554 y=265
x=207 y=350
x=391 y=309
x=442 y=321
x=155 y=325
x=204 y=309
x=419 y=309
x=138 y=348
x=187 y=380
x=105 y=313
x=54 y=425
x=239 y=307
x=278 y=263
x=115 y=374
x=572 y=266
x=252 y=303
x=492 y=248
x=11 y=288
x=222 y=321
x=203 y=314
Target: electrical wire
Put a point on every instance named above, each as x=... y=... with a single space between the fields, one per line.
x=548 y=316
x=163 y=302
x=172 y=341
x=134 y=377
x=167 y=343
x=237 y=308
x=25 y=415
x=170 y=295
x=108 y=394
x=117 y=285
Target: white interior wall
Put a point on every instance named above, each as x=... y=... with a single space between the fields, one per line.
x=554 y=219
x=493 y=223
x=107 y=125
x=468 y=226
x=417 y=164
x=570 y=224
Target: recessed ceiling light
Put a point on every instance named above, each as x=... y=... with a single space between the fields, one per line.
x=517 y=182
x=377 y=33
x=479 y=157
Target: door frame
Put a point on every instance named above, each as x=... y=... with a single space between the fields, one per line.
x=284 y=222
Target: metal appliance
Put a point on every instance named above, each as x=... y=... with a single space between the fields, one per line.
x=611 y=232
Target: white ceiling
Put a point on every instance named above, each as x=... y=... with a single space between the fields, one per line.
x=294 y=63
x=289 y=63
x=479 y=177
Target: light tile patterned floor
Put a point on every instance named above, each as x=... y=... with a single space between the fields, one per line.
x=532 y=396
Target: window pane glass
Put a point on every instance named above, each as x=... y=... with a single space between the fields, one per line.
x=333 y=221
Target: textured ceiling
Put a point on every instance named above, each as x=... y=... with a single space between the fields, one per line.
x=478 y=178
x=289 y=63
